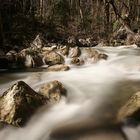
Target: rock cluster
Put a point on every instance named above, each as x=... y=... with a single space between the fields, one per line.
x=19 y=102
x=38 y=54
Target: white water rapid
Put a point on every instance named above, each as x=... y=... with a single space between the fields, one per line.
x=94 y=94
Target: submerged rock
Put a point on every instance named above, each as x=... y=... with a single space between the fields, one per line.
x=90 y=52
x=100 y=56
x=94 y=55
x=131 y=109
x=58 y=67
x=53 y=91
x=77 y=61
x=74 y=52
x=2 y=53
x=52 y=58
x=18 y=103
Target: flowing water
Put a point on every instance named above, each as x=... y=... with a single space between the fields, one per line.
x=95 y=92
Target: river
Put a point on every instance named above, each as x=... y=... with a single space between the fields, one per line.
x=95 y=92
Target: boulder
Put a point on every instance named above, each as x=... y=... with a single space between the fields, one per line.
x=131 y=109
x=102 y=56
x=29 y=59
x=74 y=52
x=52 y=58
x=94 y=55
x=77 y=61
x=137 y=39
x=58 y=67
x=18 y=103
x=53 y=91
x=90 y=52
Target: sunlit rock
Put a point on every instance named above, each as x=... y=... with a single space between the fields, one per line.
x=32 y=61
x=131 y=109
x=74 y=52
x=77 y=61
x=52 y=58
x=53 y=91
x=18 y=103
x=58 y=67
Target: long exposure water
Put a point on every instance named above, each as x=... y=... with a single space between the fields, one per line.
x=95 y=92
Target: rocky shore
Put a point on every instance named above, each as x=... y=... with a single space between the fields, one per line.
x=20 y=102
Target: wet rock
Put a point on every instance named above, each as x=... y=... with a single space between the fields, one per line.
x=53 y=91
x=137 y=39
x=18 y=103
x=64 y=50
x=32 y=61
x=131 y=109
x=94 y=55
x=90 y=52
x=102 y=56
x=77 y=61
x=29 y=59
x=74 y=52
x=52 y=58
x=46 y=49
x=58 y=67
x=81 y=42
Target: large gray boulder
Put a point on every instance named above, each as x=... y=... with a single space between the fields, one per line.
x=18 y=103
